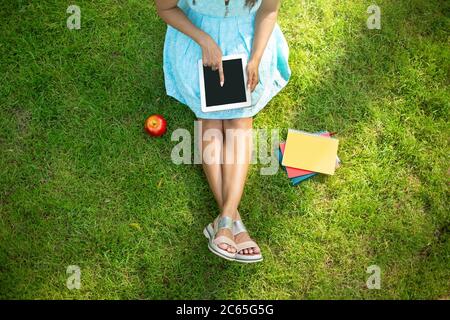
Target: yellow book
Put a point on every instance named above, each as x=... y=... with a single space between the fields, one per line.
x=310 y=152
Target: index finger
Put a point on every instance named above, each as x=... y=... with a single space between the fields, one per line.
x=221 y=75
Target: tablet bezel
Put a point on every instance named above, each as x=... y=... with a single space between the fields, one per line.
x=229 y=106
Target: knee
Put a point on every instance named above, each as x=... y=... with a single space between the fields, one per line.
x=238 y=130
x=211 y=131
x=210 y=128
x=211 y=124
x=241 y=123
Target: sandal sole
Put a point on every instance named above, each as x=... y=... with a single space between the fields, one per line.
x=248 y=260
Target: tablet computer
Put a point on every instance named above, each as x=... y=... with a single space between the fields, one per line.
x=234 y=93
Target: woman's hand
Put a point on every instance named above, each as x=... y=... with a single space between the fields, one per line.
x=252 y=74
x=212 y=56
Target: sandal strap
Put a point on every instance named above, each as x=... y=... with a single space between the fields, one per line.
x=224 y=223
x=226 y=240
x=238 y=227
x=246 y=245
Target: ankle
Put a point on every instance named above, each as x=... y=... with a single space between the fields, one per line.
x=229 y=214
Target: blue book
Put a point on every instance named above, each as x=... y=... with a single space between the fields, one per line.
x=297 y=180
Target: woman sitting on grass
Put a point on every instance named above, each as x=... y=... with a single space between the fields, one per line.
x=208 y=30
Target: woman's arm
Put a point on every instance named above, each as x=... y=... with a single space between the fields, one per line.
x=175 y=17
x=266 y=18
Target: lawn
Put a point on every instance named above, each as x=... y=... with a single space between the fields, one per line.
x=82 y=184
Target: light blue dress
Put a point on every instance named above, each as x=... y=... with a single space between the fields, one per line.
x=233 y=32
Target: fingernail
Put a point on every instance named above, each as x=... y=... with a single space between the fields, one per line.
x=221 y=83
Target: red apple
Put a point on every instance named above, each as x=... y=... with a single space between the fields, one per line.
x=156 y=125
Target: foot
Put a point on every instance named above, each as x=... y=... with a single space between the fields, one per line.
x=243 y=237
x=226 y=233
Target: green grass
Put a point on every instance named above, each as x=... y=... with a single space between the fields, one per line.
x=81 y=184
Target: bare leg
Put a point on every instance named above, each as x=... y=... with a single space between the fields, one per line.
x=212 y=151
x=213 y=138
x=212 y=131
x=236 y=156
x=237 y=147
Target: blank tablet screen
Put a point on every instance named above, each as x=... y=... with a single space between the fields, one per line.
x=233 y=90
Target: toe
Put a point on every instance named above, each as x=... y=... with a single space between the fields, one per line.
x=256 y=250
x=250 y=251
x=223 y=246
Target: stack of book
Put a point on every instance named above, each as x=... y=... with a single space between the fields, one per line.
x=305 y=155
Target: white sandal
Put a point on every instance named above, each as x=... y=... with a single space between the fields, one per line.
x=238 y=227
x=213 y=244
